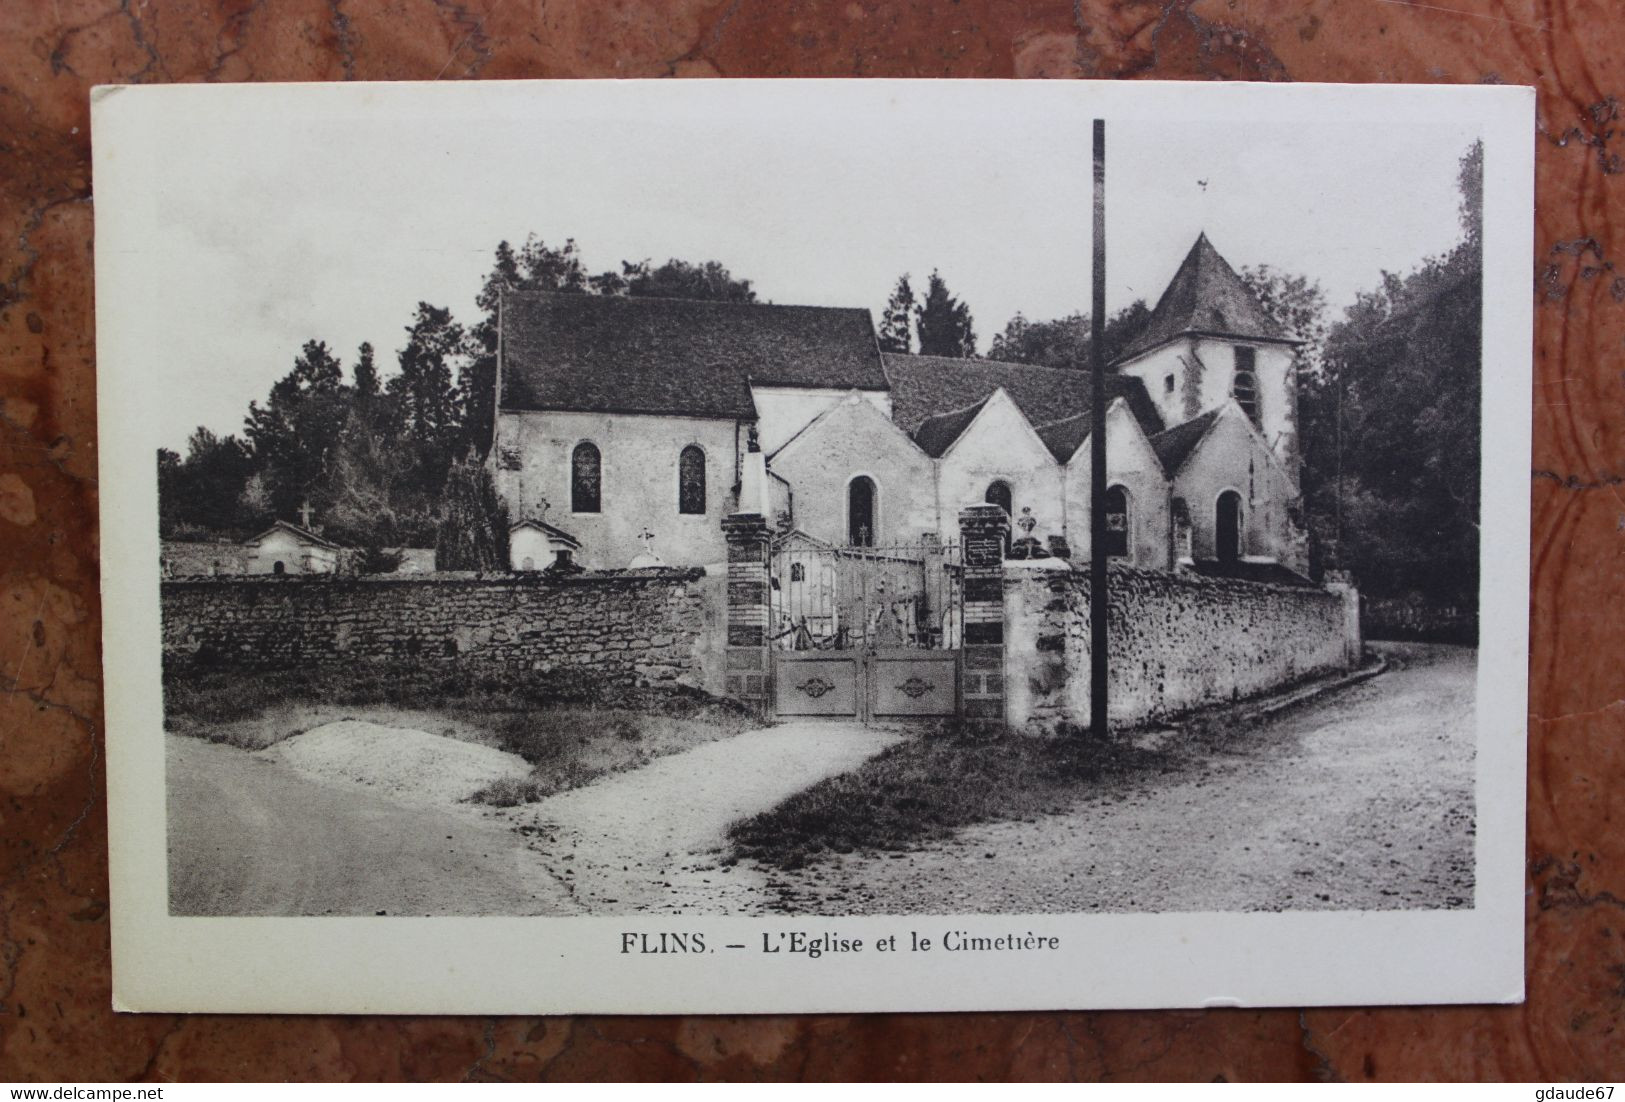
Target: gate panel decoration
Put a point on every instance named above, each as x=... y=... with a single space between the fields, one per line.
x=865 y=632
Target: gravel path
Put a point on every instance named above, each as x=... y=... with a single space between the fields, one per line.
x=649 y=840
x=1363 y=800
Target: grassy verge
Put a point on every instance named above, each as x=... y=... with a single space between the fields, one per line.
x=570 y=745
x=928 y=787
x=570 y=730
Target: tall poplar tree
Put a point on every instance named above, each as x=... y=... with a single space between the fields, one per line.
x=428 y=407
x=944 y=322
x=895 y=333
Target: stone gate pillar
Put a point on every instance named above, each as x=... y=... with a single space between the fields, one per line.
x=746 y=669
x=983 y=530
x=1341 y=584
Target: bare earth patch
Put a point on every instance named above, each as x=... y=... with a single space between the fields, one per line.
x=397 y=762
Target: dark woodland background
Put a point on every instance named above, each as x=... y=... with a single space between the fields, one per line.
x=1389 y=403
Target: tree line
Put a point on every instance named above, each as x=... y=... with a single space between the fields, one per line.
x=940 y=324
x=1388 y=395
x=396 y=461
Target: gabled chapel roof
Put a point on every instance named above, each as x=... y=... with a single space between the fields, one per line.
x=303 y=535
x=937 y=434
x=546 y=529
x=1175 y=446
x=1208 y=298
x=928 y=387
x=1064 y=438
x=680 y=357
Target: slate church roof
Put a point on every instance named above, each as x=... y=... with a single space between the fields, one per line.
x=1206 y=297
x=929 y=387
x=681 y=357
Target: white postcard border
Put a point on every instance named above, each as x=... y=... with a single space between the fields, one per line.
x=552 y=965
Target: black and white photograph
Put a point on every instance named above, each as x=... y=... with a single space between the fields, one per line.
x=713 y=528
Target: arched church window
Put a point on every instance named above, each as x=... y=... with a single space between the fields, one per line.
x=860 y=512
x=1227 y=527
x=691 y=481
x=1244 y=385
x=279 y=567
x=1117 y=521
x=586 y=479
x=998 y=493
x=798 y=573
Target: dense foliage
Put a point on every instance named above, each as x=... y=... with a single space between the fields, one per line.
x=1389 y=417
x=943 y=322
x=895 y=334
x=1064 y=342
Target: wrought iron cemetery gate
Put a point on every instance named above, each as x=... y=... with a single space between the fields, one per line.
x=867 y=633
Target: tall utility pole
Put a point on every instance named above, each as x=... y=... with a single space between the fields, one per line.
x=1097 y=452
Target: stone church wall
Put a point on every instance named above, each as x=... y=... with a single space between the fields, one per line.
x=1001 y=446
x=638 y=467
x=650 y=626
x=1233 y=458
x=1178 y=642
x=853 y=439
x=1132 y=464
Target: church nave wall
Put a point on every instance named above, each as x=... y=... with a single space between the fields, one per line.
x=638 y=472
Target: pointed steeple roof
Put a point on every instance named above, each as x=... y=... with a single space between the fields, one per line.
x=1205 y=297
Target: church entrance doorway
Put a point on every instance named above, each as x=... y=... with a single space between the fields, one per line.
x=866 y=633
x=1227 y=527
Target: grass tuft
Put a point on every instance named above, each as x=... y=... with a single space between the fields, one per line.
x=929 y=787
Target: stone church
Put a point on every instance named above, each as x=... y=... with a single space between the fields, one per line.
x=627 y=428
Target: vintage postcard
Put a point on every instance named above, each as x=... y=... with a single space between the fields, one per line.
x=814 y=546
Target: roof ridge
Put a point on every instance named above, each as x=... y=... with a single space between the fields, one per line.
x=1111 y=400
x=984 y=360
x=297 y=529
x=1209 y=413
x=641 y=299
x=957 y=410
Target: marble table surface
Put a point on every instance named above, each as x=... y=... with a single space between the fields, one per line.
x=55 y=1020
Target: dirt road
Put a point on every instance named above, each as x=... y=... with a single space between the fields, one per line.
x=249 y=837
x=1363 y=800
